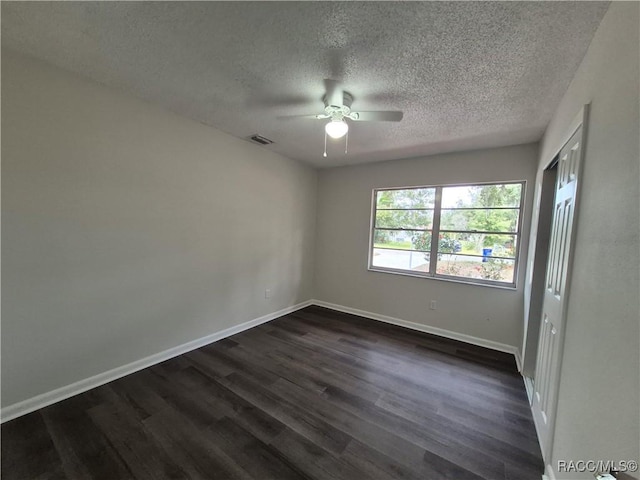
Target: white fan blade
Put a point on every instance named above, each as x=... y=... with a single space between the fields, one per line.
x=334 y=94
x=376 y=116
x=311 y=117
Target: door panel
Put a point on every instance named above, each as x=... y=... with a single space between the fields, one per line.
x=555 y=295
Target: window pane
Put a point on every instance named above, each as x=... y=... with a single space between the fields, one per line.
x=476 y=236
x=488 y=220
x=400 y=260
x=402 y=240
x=409 y=198
x=478 y=244
x=392 y=239
x=502 y=195
x=476 y=267
x=420 y=219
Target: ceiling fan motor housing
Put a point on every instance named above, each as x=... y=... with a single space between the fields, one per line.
x=338 y=112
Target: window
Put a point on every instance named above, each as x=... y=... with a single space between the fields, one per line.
x=477 y=228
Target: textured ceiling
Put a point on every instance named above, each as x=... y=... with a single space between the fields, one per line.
x=466 y=74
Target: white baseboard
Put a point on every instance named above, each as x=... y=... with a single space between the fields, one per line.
x=501 y=347
x=518 y=359
x=48 y=398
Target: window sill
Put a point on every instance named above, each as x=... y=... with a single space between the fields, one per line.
x=442 y=278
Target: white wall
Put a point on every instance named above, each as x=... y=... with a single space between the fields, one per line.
x=344 y=209
x=598 y=413
x=127 y=230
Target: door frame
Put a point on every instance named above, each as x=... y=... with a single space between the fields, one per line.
x=581 y=119
x=537 y=269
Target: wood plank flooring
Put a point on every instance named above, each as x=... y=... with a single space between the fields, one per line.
x=316 y=394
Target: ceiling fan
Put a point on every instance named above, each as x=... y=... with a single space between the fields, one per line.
x=337 y=108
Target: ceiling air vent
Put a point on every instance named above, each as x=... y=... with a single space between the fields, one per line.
x=260 y=139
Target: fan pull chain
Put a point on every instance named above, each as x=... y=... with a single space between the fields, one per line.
x=325 y=145
x=346 y=142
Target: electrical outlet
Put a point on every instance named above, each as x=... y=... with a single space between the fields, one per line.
x=267 y=293
x=432 y=305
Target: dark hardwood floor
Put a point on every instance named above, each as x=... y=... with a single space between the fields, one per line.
x=314 y=394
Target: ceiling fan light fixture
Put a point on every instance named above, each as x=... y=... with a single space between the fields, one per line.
x=336 y=128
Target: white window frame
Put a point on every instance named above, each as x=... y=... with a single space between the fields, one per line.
x=435 y=232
